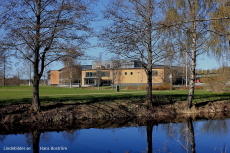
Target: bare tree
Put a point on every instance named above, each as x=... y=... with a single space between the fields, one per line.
x=183 y=134
x=116 y=71
x=5 y=65
x=38 y=30
x=190 y=22
x=132 y=33
x=71 y=67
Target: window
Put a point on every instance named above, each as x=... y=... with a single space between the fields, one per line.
x=131 y=73
x=89 y=81
x=155 y=73
x=106 y=82
x=90 y=74
x=105 y=74
x=125 y=73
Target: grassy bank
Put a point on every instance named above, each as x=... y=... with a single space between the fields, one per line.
x=65 y=104
x=48 y=94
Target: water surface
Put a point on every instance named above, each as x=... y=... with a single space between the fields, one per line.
x=202 y=136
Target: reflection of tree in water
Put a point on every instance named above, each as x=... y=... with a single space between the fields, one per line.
x=36 y=140
x=2 y=137
x=218 y=128
x=33 y=140
x=183 y=133
x=29 y=139
x=46 y=137
x=70 y=135
x=149 y=129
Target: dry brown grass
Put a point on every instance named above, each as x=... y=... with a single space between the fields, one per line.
x=106 y=110
x=164 y=86
x=90 y=88
x=131 y=88
x=142 y=87
x=186 y=88
x=217 y=83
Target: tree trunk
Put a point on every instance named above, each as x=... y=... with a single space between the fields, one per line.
x=191 y=85
x=71 y=76
x=150 y=58
x=36 y=101
x=193 y=68
x=4 y=71
x=149 y=96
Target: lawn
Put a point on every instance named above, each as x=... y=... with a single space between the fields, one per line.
x=23 y=94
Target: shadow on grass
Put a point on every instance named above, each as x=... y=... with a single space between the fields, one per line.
x=89 y=99
x=16 y=101
x=158 y=99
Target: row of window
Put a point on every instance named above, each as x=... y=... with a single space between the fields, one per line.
x=154 y=73
x=94 y=82
x=97 y=74
x=107 y=74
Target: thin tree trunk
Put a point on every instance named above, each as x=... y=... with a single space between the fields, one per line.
x=4 y=71
x=192 y=80
x=71 y=76
x=193 y=67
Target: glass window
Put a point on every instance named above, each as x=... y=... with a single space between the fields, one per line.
x=89 y=81
x=131 y=73
x=106 y=82
x=125 y=73
x=155 y=73
x=105 y=74
x=90 y=74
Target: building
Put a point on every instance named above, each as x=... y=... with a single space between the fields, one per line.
x=117 y=72
x=53 y=77
x=67 y=76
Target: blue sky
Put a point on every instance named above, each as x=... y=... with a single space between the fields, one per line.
x=203 y=62
x=206 y=63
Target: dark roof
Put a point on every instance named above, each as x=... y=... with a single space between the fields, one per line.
x=84 y=67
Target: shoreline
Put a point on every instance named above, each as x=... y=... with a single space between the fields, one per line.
x=64 y=112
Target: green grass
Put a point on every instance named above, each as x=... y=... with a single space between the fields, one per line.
x=48 y=94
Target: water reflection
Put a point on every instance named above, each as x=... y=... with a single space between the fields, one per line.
x=183 y=134
x=127 y=136
x=149 y=130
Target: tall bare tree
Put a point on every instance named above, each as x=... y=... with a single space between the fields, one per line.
x=38 y=29
x=132 y=34
x=4 y=52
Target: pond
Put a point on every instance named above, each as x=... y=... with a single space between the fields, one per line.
x=120 y=136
